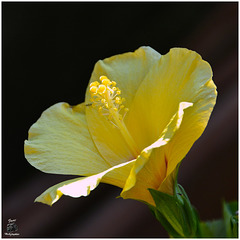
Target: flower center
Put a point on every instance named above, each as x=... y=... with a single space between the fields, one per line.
x=105 y=96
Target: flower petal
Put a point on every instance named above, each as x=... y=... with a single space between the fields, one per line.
x=150 y=167
x=152 y=173
x=159 y=169
x=59 y=142
x=192 y=127
x=167 y=185
x=179 y=76
x=79 y=186
x=128 y=70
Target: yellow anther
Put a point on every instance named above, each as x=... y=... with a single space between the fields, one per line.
x=93 y=89
x=94 y=84
x=122 y=106
x=115 y=109
x=110 y=90
x=102 y=77
x=118 y=92
x=106 y=82
x=114 y=83
x=103 y=100
x=114 y=88
x=118 y=100
x=101 y=89
x=106 y=105
x=100 y=109
x=126 y=109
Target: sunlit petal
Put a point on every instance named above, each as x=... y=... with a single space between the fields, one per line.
x=149 y=171
x=79 y=186
x=193 y=125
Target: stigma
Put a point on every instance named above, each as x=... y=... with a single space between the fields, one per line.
x=106 y=98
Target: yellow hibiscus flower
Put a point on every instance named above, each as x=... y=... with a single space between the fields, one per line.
x=142 y=113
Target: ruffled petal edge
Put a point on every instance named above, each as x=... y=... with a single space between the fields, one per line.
x=77 y=187
x=165 y=137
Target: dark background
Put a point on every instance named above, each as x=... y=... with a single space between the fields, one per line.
x=48 y=53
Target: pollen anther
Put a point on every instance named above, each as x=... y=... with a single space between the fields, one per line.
x=117 y=100
x=94 y=84
x=106 y=96
x=93 y=89
x=101 y=88
x=102 y=77
x=106 y=82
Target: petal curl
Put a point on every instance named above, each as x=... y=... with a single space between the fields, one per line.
x=160 y=168
x=192 y=127
x=79 y=186
x=59 y=142
x=128 y=70
x=150 y=167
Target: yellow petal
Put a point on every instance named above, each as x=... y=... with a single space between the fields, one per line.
x=193 y=125
x=159 y=171
x=150 y=167
x=59 y=142
x=179 y=76
x=151 y=175
x=127 y=70
x=79 y=186
x=167 y=185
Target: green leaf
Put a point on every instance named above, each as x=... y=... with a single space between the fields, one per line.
x=230 y=213
x=234 y=226
x=175 y=213
x=164 y=222
x=190 y=212
x=169 y=212
x=213 y=229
